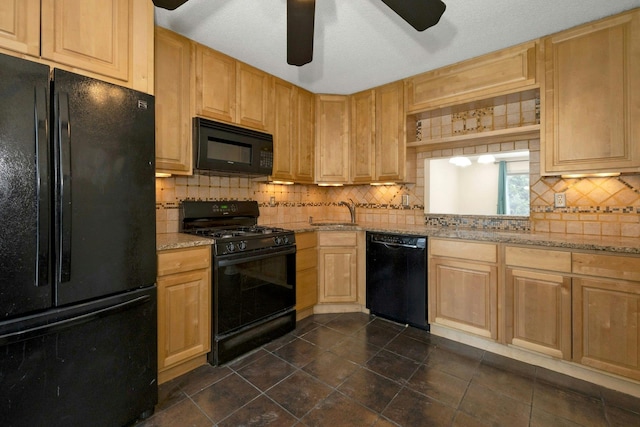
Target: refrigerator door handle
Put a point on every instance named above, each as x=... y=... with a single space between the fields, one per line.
x=42 y=182
x=56 y=326
x=64 y=201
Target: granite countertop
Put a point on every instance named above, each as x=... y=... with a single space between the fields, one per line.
x=180 y=240
x=626 y=245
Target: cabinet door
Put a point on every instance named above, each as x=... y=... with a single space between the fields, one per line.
x=283 y=141
x=337 y=274
x=363 y=136
x=183 y=317
x=463 y=295
x=253 y=97
x=332 y=139
x=538 y=312
x=591 y=98
x=20 y=26
x=606 y=333
x=304 y=137
x=173 y=58
x=390 y=146
x=215 y=85
x=92 y=35
x=505 y=71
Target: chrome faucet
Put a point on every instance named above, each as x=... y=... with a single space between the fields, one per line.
x=352 y=209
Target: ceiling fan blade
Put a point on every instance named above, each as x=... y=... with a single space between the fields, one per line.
x=420 y=14
x=169 y=4
x=300 y=19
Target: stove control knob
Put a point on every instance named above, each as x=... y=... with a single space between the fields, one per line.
x=242 y=245
x=277 y=240
x=231 y=247
x=285 y=240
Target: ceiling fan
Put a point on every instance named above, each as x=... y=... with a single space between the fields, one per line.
x=420 y=14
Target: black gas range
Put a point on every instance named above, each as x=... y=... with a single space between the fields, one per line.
x=233 y=226
x=253 y=275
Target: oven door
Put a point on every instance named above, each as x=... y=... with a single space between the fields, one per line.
x=252 y=287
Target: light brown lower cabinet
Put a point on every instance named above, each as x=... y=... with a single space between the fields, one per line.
x=184 y=310
x=306 y=273
x=606 y=313
x=337 y=267
x=538 y=301
x=538 y=310
x=463 y=286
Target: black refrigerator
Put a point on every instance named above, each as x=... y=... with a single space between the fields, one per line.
x=78 y=343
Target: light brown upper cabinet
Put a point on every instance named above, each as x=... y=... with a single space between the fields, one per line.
x=293 y=133
x=304 y=137
x=107 y=39
x=378 y=143
x=231 y=91
x=20 y=26
x=284 y=112
x=498 y=73
x=390 y=149
x=363 y=136
x=332 y=139
x=173 y=59
x=215 y=85
x=590 y=94
x=253 y=97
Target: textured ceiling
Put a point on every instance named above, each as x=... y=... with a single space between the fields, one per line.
x=360 y=44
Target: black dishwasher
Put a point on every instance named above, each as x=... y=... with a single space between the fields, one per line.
x=397 y=278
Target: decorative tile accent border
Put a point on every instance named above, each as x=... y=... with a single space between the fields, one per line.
x=502 y=112
x=502 y=223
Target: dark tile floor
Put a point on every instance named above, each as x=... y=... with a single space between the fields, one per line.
x=353 y=370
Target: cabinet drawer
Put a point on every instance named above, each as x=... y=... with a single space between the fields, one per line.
x=306 y=258
x=306 y=240
x=179 y=260
x=337 y=238
x=485 y=252
x=611 y=266
x=541 y=259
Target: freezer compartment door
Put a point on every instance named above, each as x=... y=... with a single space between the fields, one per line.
x=104 y=188
x=24 y=189
x=92 y=364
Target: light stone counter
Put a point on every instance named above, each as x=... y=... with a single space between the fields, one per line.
x=179 y=240
x=552 y=240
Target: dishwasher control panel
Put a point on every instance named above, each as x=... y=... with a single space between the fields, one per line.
x=398 y=240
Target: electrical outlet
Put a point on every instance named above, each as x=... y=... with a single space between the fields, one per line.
x=272 y=201
x=560 y=200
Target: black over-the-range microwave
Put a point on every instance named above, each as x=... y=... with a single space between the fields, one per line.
x=224 y=149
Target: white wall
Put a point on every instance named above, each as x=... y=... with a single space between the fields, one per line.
x=450 y=189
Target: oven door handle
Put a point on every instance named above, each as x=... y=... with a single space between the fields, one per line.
x=242 y=257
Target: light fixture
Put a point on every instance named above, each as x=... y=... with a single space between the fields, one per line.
x=162 y=175
x=329 y=184
x=282 y=182
x=460 y=161
x=486 y=159
x=382 y=183
x=591 y=175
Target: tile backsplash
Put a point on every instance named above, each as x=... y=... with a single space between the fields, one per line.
x=291 y=203
x=595 y=206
